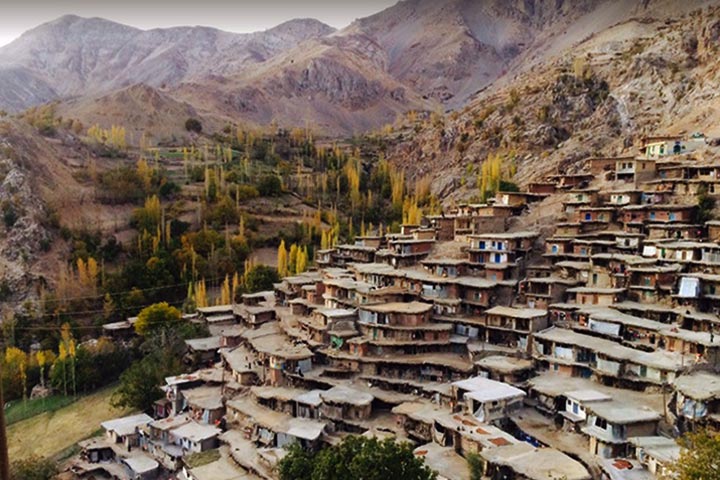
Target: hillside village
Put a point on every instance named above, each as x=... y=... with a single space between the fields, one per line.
x=576 y=349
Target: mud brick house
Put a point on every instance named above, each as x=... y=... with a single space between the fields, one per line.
x=697 y=400
x=512 y=326
x=610 y=425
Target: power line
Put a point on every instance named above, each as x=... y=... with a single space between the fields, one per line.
x=85 y=312
x=149 y=289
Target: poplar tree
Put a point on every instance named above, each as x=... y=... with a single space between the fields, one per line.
x=282 y=259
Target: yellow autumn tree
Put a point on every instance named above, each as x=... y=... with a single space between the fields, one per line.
x=108 y=306
x=302 y=260
x=92 y=274
x=353 y=177
x=292 y=260
x=282 y=259
x=235 y=285
x=43 y=359
x=82 y=271
x=412 y=213
x=16 y=364
x=145 y=173
x=200 y=294
x=490 y=176
x=225 y=291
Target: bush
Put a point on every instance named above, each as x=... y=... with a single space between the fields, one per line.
x=508 y=186
x=270 y=186
x=10 y=215
x=122 y=185
x=246 y=192
x=193 y=125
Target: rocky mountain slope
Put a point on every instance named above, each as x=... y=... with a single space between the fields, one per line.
x=78 y=56
x=38 y=185
x=142 y=109
x=652 y=74
x=416 y=55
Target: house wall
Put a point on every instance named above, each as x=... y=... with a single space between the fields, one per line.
x=642 y=429
x=595 y=299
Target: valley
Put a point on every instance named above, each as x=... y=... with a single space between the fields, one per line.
x=450 y=240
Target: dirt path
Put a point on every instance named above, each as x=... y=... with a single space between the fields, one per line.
x=48 y=434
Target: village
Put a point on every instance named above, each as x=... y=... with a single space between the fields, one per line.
x=576 y=349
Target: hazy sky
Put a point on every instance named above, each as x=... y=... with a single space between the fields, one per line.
x=17 y=16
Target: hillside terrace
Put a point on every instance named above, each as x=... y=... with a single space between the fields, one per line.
x=618 y=299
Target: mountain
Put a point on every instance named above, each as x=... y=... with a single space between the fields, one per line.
x=653 y=73
x=415 y=55
x=418 y=54
x=140 y=108
x=78 y=56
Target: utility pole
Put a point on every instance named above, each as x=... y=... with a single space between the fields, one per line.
x=4 y=458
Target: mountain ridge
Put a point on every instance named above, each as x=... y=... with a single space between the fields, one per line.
x=414 y=55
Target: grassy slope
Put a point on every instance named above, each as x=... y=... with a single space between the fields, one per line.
x=20 y=411
x=48 y=434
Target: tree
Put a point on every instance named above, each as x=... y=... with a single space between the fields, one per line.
x=270 y=186
x=705 y=205
x=475 y=465
x=297 y=464
x=699 y=456
x=163 y=350
x=261 y=278
x=301 y=261
x=193 y=125
x=139 y=384
x=356 y=458
x=15 y=370
x=282 y=259
x=292 y=259
x=156 y=318
x=44 y=358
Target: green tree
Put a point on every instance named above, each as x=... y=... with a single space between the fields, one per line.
x=157 y=317
x=298 y=464
x=475 y=465
x=163 y=351
x=699 y=456
x=139 y=384
x=705 y=205
x=356 y=458
x=270 y=186
x=261 y=278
